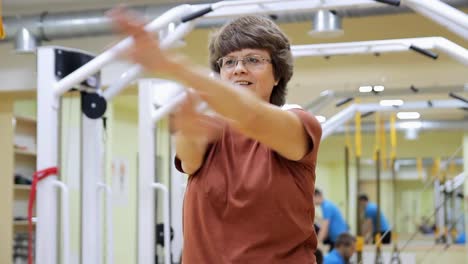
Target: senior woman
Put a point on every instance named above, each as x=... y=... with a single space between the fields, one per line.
x=251 y=167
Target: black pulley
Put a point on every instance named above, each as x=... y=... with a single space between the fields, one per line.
x=160 y=234
x=93 y=105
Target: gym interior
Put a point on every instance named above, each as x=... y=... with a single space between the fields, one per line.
x=387 y=80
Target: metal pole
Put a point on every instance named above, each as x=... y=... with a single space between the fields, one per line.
x=47 y=156
x=378 y=252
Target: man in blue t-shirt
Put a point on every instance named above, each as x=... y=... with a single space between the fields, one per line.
x=345 y=246
x=333 y=223
x=370 y=222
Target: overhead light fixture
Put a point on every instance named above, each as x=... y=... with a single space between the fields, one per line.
x=326 y=24
x=411 y=134
x=320 y=118
x=25 y=42
x=365 y=89
x=396 y=102
x=379 y=88
x=408 y=115
x=410 y=124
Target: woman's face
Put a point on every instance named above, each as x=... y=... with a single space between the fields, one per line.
x=249 y=68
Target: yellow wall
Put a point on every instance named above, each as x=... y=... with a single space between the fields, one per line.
x=6 y=181
x=124 y=138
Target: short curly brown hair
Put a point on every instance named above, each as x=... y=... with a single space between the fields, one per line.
x=256 y=32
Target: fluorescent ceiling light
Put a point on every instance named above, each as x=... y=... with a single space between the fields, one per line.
x=408 y=115
x=396 y=102
x=320 y=118
x=365 y=89
x=410 y=125
x=379 y=88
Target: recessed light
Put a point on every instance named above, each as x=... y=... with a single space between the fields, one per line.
x=365 y=89
x=396 y=102
x=379 y=88
x=408 y=115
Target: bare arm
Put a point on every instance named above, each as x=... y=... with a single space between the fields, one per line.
x=195 y=131
x=281 y=130
x=367 y=228
x=322 y=235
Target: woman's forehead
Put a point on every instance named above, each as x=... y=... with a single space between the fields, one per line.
x=246 y=52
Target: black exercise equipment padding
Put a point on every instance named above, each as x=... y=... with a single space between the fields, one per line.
x=67 y=62
x=424 y=52
x=389 y=2
x=344 y=101
x=458 y=97
x=197 y=14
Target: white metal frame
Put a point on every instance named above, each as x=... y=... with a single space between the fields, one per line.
x=47 y=149
x=348 y=113
x=148 y=116
x=47 y=153
x=452 y=49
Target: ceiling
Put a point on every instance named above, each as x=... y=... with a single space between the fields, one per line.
x=338 y=73
x=17 y=7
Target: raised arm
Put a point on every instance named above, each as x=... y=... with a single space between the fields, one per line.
x=280 y=130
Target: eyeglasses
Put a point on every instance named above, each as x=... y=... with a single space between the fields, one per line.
x=251 y=62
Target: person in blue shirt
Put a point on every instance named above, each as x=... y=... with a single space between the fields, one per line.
x=461 y=238
x=333 y=223
x=369 y=226
x=345 y=246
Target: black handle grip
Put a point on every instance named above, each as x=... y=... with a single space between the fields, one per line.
x=390 y=2
x=345 y=101
x=196 y=14
x=424 y=52
x=458 y=97
x=414 y=89
x=364 y=115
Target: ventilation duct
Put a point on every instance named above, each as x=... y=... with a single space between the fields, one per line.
x=48 y=26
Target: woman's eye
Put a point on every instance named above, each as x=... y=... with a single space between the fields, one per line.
x=229 y=62
x=253 y=60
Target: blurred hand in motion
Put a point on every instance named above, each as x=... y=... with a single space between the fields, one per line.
x=189 y=121
x=145 y=49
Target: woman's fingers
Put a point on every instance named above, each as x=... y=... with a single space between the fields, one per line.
x=126 y=22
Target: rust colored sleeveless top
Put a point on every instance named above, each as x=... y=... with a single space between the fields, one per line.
x=248 y=204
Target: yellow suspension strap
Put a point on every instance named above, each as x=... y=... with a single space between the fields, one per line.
x=393 y=136
x=347 y=150
x=435 y=174
x=2 y=30
x=395 y=259
x=358 y=152
x=419 y=167
x=377 y=134
x=451 y=174
x=383 y=145
x=377 y=159
x=436 y=169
